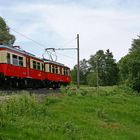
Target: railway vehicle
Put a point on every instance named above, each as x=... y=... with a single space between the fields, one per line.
x=21 y=69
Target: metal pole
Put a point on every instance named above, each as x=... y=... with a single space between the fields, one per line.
x=78 y=57
x=78 y=64
x=97 y=75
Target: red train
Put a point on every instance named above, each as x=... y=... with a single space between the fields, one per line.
x=20 y=69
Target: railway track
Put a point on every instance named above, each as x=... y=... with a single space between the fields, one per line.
x=39 y=93
x=30 y=91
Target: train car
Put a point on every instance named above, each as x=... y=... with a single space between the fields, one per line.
x=56 y=74
x=20 y=69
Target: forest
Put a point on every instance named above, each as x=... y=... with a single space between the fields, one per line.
x=103 y=67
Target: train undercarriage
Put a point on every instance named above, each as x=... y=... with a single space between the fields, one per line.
x=24 y=83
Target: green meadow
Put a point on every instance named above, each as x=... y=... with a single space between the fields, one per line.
x=107 y=113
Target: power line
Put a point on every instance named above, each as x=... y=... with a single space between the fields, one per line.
x=66 y=49
x=42 y=45
x=29 y=38
x=66 y=56
x=25 y=36
x=36 y=42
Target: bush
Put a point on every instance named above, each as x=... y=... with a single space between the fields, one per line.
x=82 y=92
x=23 y=105
x=135 y=84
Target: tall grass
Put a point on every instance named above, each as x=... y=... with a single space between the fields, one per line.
x=85 y=114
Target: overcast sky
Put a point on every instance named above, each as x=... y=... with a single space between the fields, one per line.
x=101 y=24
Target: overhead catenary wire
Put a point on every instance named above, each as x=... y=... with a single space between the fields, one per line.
x=42 y=45
x=78 y=65
x=25 y=36
x=66 y=56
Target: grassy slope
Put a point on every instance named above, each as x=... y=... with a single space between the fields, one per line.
x=111 y=114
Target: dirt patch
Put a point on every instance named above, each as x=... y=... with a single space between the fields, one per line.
x=111 y=125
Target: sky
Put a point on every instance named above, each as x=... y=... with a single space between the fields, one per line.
x=101 y=25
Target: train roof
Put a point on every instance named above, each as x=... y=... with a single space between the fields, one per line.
x=53 y=62
x=13 y=48
x=17 y=49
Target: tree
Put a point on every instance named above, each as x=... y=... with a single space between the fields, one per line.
x=5 y=37
x=123 y=65
x=111 y=69
x=83 y=72
x=92 y=79
x=135 y=46
x=74 y=74
x=105 y=66
x=130 y=66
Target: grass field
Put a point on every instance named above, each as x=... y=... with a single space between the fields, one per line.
x=111 y=113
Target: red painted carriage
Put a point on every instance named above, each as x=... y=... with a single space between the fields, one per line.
x=20 y=69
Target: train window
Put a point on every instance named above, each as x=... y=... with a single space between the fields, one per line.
x=50 y=68
x=34 y=64
x=15 y=60
x=67 y=72
x=56 y=70
x=38 y=66
x=43 y=68
x=8 y=58
x=20 y=61
x=53 y=69
x=63 y=71
x=60 y=70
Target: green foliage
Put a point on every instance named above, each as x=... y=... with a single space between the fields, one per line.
x=5 y=37
x=83 y=72
x=124 y=69
x=92 y=79
x=73 y=91
x=135 y=45
x=105 y=65
x=21 y=105
x=74 y=75
x=130 y=66
x=102 y=64
x=109 y=112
